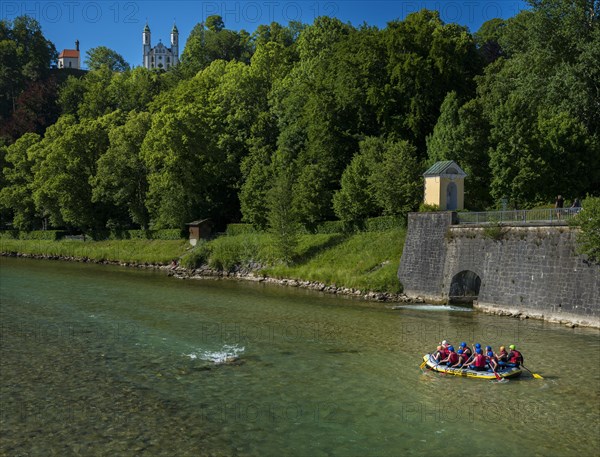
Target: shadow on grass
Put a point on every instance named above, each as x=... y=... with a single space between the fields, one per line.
x=313 y=250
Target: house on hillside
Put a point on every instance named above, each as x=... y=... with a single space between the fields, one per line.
x=70 y=58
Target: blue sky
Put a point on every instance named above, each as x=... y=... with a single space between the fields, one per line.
x=119 y=24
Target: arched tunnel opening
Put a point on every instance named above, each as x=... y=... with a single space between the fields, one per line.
x=465 y=287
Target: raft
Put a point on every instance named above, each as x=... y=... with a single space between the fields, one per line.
x=509 y=372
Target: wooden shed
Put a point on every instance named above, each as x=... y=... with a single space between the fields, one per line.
x=199 y=230
x=445 y=186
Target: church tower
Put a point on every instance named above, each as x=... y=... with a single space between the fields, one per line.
x=175 y=44
x=147 y=47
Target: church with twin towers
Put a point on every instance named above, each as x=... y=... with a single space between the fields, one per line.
x=160 y=56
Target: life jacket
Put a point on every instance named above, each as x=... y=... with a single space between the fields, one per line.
x=515 y=357
x=444 y=353
x=453 y=358
x=467 y=351
x=503 y=356
x=479 y=361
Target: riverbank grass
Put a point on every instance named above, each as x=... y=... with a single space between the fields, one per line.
x=367 y=261
x=364 y=261
x=129 y=251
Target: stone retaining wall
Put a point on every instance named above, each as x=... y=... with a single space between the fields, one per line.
x=524 y=271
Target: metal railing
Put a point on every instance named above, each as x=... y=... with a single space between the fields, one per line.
x=522 y=216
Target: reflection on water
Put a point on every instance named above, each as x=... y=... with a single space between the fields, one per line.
x=108 y=361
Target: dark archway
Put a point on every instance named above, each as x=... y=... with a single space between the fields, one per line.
x=464 y=287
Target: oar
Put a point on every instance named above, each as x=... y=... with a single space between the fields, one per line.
x=498 y=377
x=423 y=364
x=535 y=375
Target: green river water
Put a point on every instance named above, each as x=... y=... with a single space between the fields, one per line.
x=99 y=360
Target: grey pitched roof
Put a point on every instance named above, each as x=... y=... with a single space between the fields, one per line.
x=198 y=222
x=446 y=167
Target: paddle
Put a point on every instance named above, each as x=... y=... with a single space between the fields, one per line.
x=423 y=364
x=535 y=375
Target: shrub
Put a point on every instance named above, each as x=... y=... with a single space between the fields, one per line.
x=588 y=219
x=196 y=257
x=428 y=208
x=9 y=234
x=239 y=229
x=331 y=227
x=384 y=223
x=48 y=235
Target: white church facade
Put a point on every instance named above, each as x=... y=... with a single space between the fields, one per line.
x=160 y=56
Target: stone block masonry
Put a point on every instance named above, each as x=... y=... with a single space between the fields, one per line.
x=524 y=270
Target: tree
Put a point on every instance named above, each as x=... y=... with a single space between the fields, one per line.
x=283 y=223
x=215 y=23
x=588 y=219
x=354 y=202
x=383 y=178
x=462 y=134
x=26 y=56
x=62 y=184
x=395 y=175
x=121 y=176
x=17 y=176
x=101 y=56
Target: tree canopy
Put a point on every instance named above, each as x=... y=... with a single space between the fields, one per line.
x=295 y=125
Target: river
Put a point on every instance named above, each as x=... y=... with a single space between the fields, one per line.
x=102 y=360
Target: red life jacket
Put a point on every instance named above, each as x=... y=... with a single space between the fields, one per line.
x=515 y=356
x=453 y=358
x=467 y=351
x=444 y=353
x=480 y=361
x=503 y=356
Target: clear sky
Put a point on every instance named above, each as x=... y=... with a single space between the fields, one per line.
x=119 y=24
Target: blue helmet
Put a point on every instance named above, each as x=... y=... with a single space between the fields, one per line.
x=460 y=351
x=488 y=348
x=478 y=351
x=490 y=354
x=463 y=344
x=478 y=346
x=451 y=348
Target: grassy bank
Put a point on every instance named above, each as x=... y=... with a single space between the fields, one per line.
x=133 y=251
x=365 y=261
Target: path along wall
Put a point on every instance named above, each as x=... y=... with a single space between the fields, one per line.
x=524 y=270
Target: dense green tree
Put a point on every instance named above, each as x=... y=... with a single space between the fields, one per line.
x=395 y=175
x=120 y=178
x=283 y=223
x=354 y=202
x=101 y=56
x=204 y=46
x=62 y=181
x=26 y=56
x=462 y=134
x=17 y=179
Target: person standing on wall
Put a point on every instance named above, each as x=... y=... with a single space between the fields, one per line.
x=558 y=204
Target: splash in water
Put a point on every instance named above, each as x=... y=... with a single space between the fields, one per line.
x=229 y=353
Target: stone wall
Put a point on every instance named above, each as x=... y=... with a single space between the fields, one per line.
x=527 y=271
x=421 y=268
